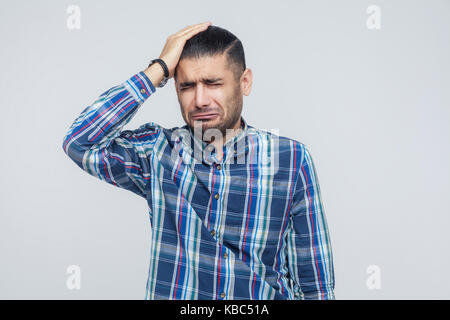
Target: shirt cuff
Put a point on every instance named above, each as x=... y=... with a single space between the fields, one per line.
x=140 y=87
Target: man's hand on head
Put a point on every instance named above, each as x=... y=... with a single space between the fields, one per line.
x=172 y=50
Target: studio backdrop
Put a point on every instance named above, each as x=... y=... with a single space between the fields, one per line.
x=363 y=84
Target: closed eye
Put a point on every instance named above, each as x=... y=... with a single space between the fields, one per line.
x=185 y=87
x=214 y=84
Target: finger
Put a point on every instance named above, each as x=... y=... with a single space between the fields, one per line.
x=191 y=33
x=188 y=28
x=194 y=28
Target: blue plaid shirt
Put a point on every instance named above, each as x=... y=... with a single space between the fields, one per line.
x=251 y=226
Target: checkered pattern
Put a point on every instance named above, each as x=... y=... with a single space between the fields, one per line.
x=251 y=226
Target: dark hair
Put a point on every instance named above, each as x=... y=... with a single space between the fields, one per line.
x=215 y=40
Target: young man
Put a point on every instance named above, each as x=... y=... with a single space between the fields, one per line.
x=242 y=218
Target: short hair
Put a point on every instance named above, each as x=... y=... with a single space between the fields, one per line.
x=216 y=40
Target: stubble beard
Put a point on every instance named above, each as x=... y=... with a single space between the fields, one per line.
x=234 y=110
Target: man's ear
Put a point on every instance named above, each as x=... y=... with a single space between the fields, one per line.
x=246 y=81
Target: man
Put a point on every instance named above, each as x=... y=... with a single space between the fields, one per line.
x=240 y=219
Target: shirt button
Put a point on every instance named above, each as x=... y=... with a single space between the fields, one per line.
x=225 y=255
x=213 y=232
x=143 y=91
x=222 y=295
x=216 y=196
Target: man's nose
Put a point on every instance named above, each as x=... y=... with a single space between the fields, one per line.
x=202 y=98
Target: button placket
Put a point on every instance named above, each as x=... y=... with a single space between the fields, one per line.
x=213 y=205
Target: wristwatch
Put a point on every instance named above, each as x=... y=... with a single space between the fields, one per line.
x=166 y=71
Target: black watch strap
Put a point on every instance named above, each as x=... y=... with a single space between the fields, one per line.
x=166 y=71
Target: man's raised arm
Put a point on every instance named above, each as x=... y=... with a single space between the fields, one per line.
x=95 y=141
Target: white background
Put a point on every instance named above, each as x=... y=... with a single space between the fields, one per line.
x=372 y=106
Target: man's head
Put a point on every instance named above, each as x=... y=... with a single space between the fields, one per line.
x=211 y=78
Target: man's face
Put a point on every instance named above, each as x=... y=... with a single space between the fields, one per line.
x=208 y=93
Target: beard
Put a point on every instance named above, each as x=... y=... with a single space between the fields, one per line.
x=210 y=129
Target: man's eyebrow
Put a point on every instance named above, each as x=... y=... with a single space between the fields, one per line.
x=211 y=80
x=206 y=80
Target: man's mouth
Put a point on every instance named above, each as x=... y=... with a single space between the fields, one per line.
x=204 y=116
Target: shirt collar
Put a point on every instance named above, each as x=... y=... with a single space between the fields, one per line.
x=235 y=147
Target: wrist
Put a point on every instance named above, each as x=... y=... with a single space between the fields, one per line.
x=165 y=69
x=155 y=73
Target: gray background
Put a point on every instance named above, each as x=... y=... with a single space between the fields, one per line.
x=372 y=106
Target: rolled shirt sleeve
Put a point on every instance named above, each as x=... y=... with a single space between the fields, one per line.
x=96 y=143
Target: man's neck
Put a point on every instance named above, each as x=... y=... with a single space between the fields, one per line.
x=218 y=143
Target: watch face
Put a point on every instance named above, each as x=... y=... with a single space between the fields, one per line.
x=163 y=82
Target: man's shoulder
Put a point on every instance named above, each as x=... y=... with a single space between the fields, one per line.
x=290 y=152
x=283 y=142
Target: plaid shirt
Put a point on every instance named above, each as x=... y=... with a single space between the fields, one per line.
x=251 y=226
